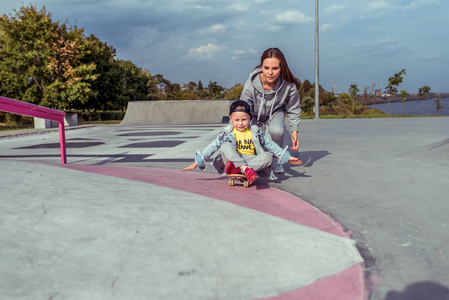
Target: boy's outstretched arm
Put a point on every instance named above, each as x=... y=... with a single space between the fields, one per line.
x=191 y=167
x=295 y=161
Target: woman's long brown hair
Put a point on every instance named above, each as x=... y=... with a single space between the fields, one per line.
x=285 y=71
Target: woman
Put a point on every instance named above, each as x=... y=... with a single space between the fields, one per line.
x=272 y=93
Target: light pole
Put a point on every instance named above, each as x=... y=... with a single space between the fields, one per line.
x=317 y=81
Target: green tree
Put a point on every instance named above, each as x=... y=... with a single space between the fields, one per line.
x=203 y=94
x=422 y=93
x=164 y=86
x=174 y=92
x=40 y=60
x=215 y=89
x=235 y=92
x=311 y=93
x=134 y=83
x=347 y=100
x=306 y=86
x=438 y=104
x=107 y=86
x=25 y=41
x=156 y=87
x=366 y=95
x=329 y=99
x=200 y=85
x=69 y=77
x=154 y=92
x=404 y=98
x=307 y=104
x=353 y=90
x=192 y=85
x=393 y=82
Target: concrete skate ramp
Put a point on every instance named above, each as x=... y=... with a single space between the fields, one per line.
x=176 y=112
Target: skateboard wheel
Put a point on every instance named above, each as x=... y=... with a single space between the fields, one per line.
x=246 y=184
x=231 y=182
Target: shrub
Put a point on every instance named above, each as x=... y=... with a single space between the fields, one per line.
x=364 y=110
x=101 y=116
x=13 y=119
x=339 y=109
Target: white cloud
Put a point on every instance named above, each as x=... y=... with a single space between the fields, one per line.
x=273 y=28
x=419 y=3
x=206 y=52
x=180 y=34
x=327 y=27
x=241 y=54
x=379 y=5
x=215 y=28
x=436 y=57
x=383 y=47
x=334 y=8
x=284 y=18
x=240 y=6
x=293 y=17
x=337 y=23
x=382 y=8
x=377 y=9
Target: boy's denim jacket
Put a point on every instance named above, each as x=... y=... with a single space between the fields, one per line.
x=261 y=142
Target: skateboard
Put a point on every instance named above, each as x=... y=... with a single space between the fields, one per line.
x=238 y=179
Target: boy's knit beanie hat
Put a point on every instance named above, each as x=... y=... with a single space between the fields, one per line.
x=238 y=103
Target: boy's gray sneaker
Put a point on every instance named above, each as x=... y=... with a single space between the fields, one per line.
x=278 y=169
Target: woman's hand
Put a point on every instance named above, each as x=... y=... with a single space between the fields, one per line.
x=191 y=167
x=295 y=141
x=295 y=161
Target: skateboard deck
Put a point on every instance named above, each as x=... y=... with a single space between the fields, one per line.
x=239 y=179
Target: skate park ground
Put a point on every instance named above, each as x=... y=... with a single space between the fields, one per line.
x=365 y=217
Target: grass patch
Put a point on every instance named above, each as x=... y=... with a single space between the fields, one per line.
x=375 y=116
x=7 y=127
x=4 y=127
x=109 y=122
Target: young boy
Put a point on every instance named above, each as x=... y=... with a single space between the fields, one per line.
x=244 y=148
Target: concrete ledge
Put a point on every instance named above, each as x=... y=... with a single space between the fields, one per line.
x=176 y=112
x=69 y=120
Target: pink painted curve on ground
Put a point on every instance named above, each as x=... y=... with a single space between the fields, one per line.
x=259 y=197
x=346 y=285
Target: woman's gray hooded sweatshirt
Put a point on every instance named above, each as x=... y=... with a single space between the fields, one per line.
x=263 y=104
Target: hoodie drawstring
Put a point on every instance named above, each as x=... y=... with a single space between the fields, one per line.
x=256 y=83
x=272 y=104
x=262 y=103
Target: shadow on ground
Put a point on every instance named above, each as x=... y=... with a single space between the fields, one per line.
x=424 y=290
x=310 y=157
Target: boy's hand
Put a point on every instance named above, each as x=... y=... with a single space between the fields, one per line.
x=295 y=161
x=191 y=167
x=295 y=141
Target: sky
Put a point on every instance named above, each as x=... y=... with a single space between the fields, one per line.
x=360 y=42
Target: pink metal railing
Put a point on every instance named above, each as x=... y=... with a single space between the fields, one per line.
x=32 y=110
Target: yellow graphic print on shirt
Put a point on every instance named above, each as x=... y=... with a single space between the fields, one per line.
x=244 y=141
